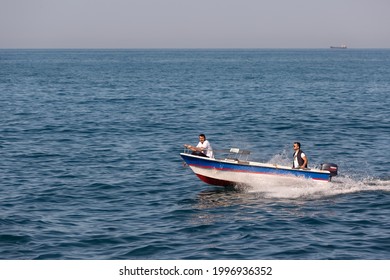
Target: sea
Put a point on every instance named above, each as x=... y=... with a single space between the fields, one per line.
x=90 y=143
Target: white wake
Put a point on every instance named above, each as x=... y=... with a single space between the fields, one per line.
x=312 y=189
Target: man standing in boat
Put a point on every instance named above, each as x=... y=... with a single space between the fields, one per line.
x=203 y=148
x=300 y=159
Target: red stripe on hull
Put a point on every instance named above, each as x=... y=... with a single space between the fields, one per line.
x=215 y=182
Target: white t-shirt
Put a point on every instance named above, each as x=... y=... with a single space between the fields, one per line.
x=207 y=148
x=296 y=164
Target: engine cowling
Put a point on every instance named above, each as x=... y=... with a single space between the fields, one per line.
x=331 y=167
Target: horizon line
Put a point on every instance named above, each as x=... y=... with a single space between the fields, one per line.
x=186 y=48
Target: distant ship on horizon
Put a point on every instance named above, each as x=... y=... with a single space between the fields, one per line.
x=343 y=46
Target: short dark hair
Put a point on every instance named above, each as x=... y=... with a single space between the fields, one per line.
x=202 y=135
x=299 y=144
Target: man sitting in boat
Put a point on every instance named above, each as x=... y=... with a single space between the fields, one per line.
x=203 y=148
x=300 y=159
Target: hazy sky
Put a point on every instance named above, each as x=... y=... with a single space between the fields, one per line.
x=194 y=23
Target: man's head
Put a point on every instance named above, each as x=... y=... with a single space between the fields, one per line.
x=202 y=138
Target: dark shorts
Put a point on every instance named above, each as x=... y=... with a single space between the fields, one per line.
x=199 y=154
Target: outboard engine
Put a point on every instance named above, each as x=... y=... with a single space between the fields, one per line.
x=331 y=167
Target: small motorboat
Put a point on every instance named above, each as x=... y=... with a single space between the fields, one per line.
x=234 y=168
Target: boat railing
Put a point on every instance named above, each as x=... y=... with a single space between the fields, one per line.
x=233 y=154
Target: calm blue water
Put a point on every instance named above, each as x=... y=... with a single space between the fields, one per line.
x=90 y=143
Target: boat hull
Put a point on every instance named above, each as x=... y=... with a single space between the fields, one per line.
x=227 y=172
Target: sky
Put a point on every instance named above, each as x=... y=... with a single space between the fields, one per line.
x=194 y=23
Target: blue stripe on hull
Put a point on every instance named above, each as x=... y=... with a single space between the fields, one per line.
x=207 y=163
